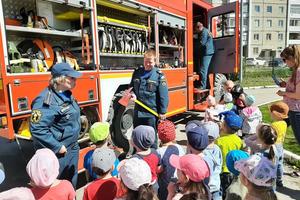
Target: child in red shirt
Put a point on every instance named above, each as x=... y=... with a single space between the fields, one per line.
x=143 y=137
x=106 y=187
x=43 y=169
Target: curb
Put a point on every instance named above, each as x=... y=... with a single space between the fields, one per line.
x=290 y=157
x=260 y=87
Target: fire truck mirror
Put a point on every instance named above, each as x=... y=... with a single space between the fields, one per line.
x=91 y=94
x=22 y=103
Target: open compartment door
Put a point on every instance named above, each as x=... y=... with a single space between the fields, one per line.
x=223 y=22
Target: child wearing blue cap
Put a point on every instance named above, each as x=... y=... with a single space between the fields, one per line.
x=236 y=190
x=229 y=141
x=211 y=154
x=197 y=141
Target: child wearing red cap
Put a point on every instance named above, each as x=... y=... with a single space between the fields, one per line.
x=167 y=135
x=191 y=172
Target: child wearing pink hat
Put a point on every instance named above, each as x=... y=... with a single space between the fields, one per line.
x=191 y=172
x=43 y=170
x=258 y=174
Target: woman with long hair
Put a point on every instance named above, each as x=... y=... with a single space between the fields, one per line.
x=291 y=96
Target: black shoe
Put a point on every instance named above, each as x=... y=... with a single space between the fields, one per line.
x=279 y=184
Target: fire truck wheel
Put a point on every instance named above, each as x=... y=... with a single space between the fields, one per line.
x=220 y=79
x=123 y=126
x=89 y=115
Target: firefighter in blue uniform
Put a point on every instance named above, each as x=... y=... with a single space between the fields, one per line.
x=203 y=53
x=55 y=120
x=150 y=87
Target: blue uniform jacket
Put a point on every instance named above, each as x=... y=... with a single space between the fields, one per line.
x=204 y=43
x=55 y=121
x=151 y=89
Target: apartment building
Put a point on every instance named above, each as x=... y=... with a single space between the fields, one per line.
x=293 y=25
x=267 y=28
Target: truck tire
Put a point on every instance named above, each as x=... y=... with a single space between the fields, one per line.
x=89 y=115
x=121 y=119
x=220 y=79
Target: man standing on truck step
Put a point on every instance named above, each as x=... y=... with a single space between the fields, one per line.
x=150 y=87
x=55 y=120
x=203 y=52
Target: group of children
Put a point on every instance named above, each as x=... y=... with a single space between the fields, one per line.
x=230 y=154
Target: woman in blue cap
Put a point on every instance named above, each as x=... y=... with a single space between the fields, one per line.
x=55 y=120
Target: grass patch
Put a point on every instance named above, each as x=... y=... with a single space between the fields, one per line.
x=290 y=142
x=262 y=76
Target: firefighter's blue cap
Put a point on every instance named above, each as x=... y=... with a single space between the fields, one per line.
x=64 y=69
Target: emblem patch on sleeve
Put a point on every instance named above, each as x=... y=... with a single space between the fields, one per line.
x=36 y=116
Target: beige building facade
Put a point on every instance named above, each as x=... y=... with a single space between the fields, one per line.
x=267 y=28
x=293 y=27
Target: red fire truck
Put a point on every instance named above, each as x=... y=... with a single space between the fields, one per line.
x=105 y=40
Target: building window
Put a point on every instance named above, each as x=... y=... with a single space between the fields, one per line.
x=256 y=22
x=294 y=36
x=256 y=36
x=280 y=23
x=294 y=22
x=245 y=22
x=257 y=8
x=281 y=9
x=268 y=36
x=269 y=9
x=269 y=23
x=255 y=50
x=280 y=36
x=295 y=9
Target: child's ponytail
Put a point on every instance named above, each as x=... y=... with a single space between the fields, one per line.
x=146 y=192
x=268 y=136
x=271 y=155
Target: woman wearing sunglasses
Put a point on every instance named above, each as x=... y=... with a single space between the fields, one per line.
x=291 y=96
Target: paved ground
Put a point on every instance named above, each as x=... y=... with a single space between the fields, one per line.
x=264 y=95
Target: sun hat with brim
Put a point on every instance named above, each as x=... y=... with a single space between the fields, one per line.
x=143 y=137
x=64 y=69
x=198 y=137
x=257 y=169
x=103 y=158
x=135 y=172
x=193 y=166
x=232 y=157
x=99 y=131
x=43 y=167
x=280 y=109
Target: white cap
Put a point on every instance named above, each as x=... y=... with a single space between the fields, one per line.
x=134 y=173
x=228 y=97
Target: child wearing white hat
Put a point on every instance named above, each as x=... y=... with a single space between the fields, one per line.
x=136 y=178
